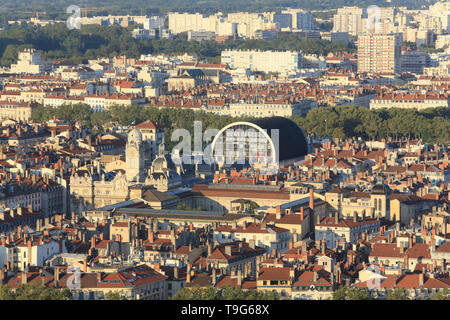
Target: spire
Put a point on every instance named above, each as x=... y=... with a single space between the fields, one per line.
x=161 y=147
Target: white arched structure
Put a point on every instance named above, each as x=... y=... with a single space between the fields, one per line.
x=219 y=151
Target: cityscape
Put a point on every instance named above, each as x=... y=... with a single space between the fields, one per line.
x=225 y=151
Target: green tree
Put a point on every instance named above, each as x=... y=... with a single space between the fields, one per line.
x=35 y=291
x=442 y=295
x=339 y=133
x=225 y=293
x=346 y=293
x=6 y=293
x=115 y=295
x=397 y=294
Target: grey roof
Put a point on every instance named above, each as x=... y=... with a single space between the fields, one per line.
x=153 y=195
x=180 y=214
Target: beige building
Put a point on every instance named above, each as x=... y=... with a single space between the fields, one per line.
x=261 y=110
x=19 y=111
x=379 y=53
x=410 y=101
x=30 y=61
x=267 y=237
x=121 y=230
x=362 y=204
x=93 y=187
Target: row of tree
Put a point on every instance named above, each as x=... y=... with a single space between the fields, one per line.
x=33 y=291
x=57 y=42
x=37 y=291
x=346 y=293
x=432 y=125
x=170 y=118
x=225 y=293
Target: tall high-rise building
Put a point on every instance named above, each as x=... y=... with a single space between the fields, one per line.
x=300 y=19
x=380 y=53
x=350 y=20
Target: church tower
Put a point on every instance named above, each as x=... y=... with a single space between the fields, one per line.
x=134 y=154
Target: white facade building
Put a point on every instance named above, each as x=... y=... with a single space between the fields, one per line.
x=284 y=62
x=30 y=61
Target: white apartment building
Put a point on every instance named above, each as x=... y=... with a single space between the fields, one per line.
x=409 y=101
x=261 y=110
x=333 y=230
x=350 y=20
x=243 y=23
x=442 y=41
x=30 y=61
x=182 y=22
x=78 y=73
x=33 y=252
x=441 y=11
x=284 y=62
x=96 y=102
x=153 y=22
x=301 y=20
x=264 y=236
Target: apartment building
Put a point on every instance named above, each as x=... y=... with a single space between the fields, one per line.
x=379 y=53
x=335 y=231
x=261 y=110
x=31 y=62
x=415 y=62
x=410 y=100
x=29 y=251
x=19 y=111
x=300 y=19
x=349 y=20
x=267 y=61
x=234 y=256
x=264 y=236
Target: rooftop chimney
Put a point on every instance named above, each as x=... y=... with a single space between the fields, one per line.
x=25 y=276
x=239 y=278
x=421 y=276
x=56 y=275
x=311 y=198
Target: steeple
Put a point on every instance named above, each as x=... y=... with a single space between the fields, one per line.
x=161 y=147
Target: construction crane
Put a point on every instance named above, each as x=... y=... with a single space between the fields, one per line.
x=35 y=13
x=84 y=11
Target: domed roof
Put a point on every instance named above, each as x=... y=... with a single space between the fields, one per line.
x=292 y=139
x=381 y=188
x=159 y=163
x=135 y=136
